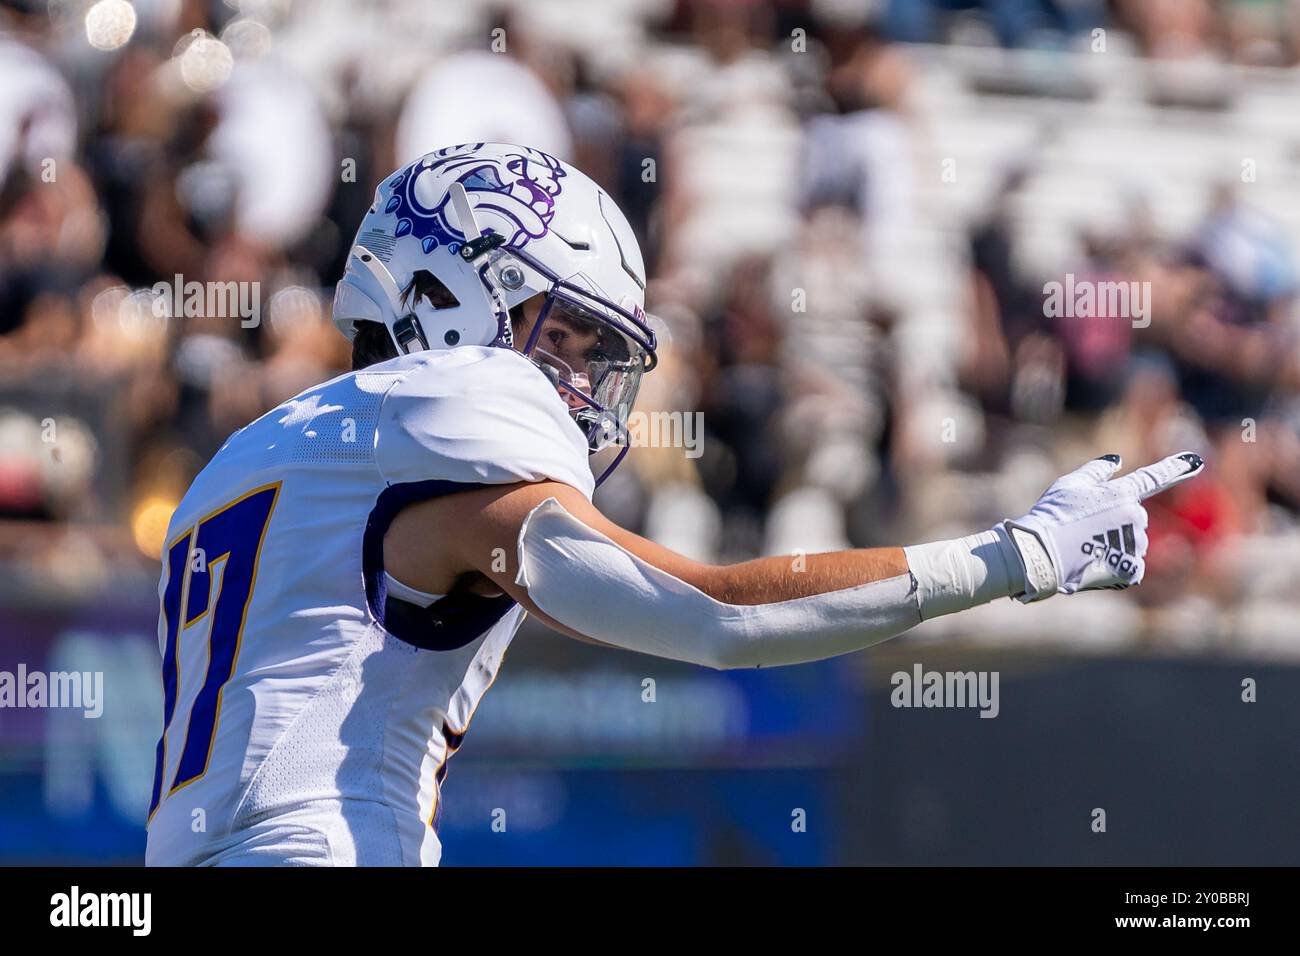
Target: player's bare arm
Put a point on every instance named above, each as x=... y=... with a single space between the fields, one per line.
x=479 y=530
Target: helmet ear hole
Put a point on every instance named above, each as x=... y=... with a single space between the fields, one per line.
x=425 y=285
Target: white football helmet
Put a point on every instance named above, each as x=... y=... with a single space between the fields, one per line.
x=458 y=239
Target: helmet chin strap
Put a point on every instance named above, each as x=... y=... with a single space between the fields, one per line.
x=622 y=453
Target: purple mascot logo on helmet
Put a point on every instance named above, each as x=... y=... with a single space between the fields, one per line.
x=519 y=187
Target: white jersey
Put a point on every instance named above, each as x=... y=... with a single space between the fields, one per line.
x=310 y=703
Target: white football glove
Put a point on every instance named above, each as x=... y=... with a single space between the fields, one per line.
x=1088 y=531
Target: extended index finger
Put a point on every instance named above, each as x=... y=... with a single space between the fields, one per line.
x=1163 y=474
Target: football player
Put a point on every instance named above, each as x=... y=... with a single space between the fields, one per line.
x=341 y=581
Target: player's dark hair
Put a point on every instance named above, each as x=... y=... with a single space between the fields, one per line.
x=425 y=285
x=371 y=344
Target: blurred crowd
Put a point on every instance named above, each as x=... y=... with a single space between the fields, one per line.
x=867 y=371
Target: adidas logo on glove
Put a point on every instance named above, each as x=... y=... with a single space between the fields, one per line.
x=1115 y=548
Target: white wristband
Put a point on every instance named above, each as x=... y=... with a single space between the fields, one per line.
x=963 y=572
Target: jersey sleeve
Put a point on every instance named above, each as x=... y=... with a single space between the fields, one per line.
x=478 y=415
